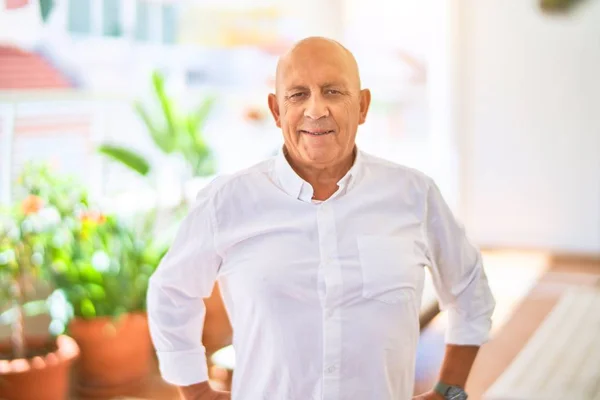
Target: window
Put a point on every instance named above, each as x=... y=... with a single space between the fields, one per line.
x=111 y=18
x=169 y=23
x=96 y=17
x=155 y=22
x=80 y=16
x=142 y=21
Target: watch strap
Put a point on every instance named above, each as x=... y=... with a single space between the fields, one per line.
x=444 y=390
x=441 y=388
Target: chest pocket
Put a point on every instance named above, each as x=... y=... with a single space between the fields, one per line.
x=389 y=268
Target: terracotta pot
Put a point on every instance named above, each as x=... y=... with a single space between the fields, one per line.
x=115 y=355
x=44 y=377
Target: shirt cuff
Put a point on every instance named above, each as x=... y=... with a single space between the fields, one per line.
x=183 y=368
x=467 y=332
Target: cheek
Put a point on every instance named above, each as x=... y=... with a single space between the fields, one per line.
x=344 y=114
x=352 y=113
x=291 y=118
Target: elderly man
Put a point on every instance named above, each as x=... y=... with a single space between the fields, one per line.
x=320 y=254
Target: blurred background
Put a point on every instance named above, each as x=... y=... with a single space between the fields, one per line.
x=114 y=113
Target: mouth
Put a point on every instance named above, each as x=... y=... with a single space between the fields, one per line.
x=316 y=132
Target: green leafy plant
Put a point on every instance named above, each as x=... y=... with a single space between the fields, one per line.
x=173 y=132
x=127 y=157
x=102 y=264
x=26 y=228
x=99 y=262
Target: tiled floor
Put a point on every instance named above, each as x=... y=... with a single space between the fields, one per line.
x=496 y=356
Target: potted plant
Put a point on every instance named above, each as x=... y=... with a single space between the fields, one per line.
x=102 y=266
x=30 y=367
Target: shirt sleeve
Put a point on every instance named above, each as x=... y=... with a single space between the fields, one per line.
x=176 y=310
x=457 y=273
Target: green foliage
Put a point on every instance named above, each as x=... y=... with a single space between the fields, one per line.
x=63 y=192
x=100 y=262
x=102 y=265
x=27 y=226
x=174 y=131
x=127 y=157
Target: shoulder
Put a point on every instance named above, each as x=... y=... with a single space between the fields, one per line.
x=234 y=181
x=381 y=168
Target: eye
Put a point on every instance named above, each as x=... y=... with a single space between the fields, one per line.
x=333 y=91
x=296 y=95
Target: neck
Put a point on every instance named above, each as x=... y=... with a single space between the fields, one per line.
x=323 y=179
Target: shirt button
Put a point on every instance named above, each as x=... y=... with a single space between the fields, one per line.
x=331 y=370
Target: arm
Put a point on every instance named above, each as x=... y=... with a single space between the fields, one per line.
x=457 y=364
x=461 y=286
x=456 y=367
x=176 y=310
x=202 y=391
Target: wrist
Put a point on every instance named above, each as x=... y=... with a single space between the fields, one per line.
x=437 y=396
x=450 y=392
x=197 y=391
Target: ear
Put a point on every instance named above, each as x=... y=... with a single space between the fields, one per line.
x=274 y=107
x=365 y=102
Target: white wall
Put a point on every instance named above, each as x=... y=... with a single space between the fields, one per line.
x=529 y=125
x=13 y=21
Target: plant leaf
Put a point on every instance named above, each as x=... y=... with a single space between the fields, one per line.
x=200 y=150
x=204 y=111
x=127 y=157
x=161 y=138
x=196 y=121
x=166 y=105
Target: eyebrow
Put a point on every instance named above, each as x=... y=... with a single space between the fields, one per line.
x=334 y=84
x=296 y=88
x=324 y=86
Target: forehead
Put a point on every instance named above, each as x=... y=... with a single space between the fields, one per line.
x=314 y=68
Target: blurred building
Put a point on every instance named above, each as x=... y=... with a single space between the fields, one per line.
x=495 y=101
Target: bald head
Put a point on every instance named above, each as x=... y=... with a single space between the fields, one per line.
x=318 y=104
x=313 y=50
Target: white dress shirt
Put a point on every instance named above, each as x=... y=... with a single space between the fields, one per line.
x=323 y=298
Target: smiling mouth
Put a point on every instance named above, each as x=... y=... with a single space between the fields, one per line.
x=316 y=133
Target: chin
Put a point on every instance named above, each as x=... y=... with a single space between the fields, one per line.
x=321 y=155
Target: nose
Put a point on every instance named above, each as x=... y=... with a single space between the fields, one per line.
x=316 y=107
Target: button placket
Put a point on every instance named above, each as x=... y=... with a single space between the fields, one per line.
x=331 y=369
x=331 y=319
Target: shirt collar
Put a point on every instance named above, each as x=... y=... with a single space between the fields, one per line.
x=298 y=188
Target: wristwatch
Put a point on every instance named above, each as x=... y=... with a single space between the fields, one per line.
x=450 y=392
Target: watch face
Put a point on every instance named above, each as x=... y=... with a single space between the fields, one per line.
x=455 y=393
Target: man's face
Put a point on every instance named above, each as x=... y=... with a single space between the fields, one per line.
x=319 y=104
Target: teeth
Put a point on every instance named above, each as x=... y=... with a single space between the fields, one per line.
x=316 y=134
